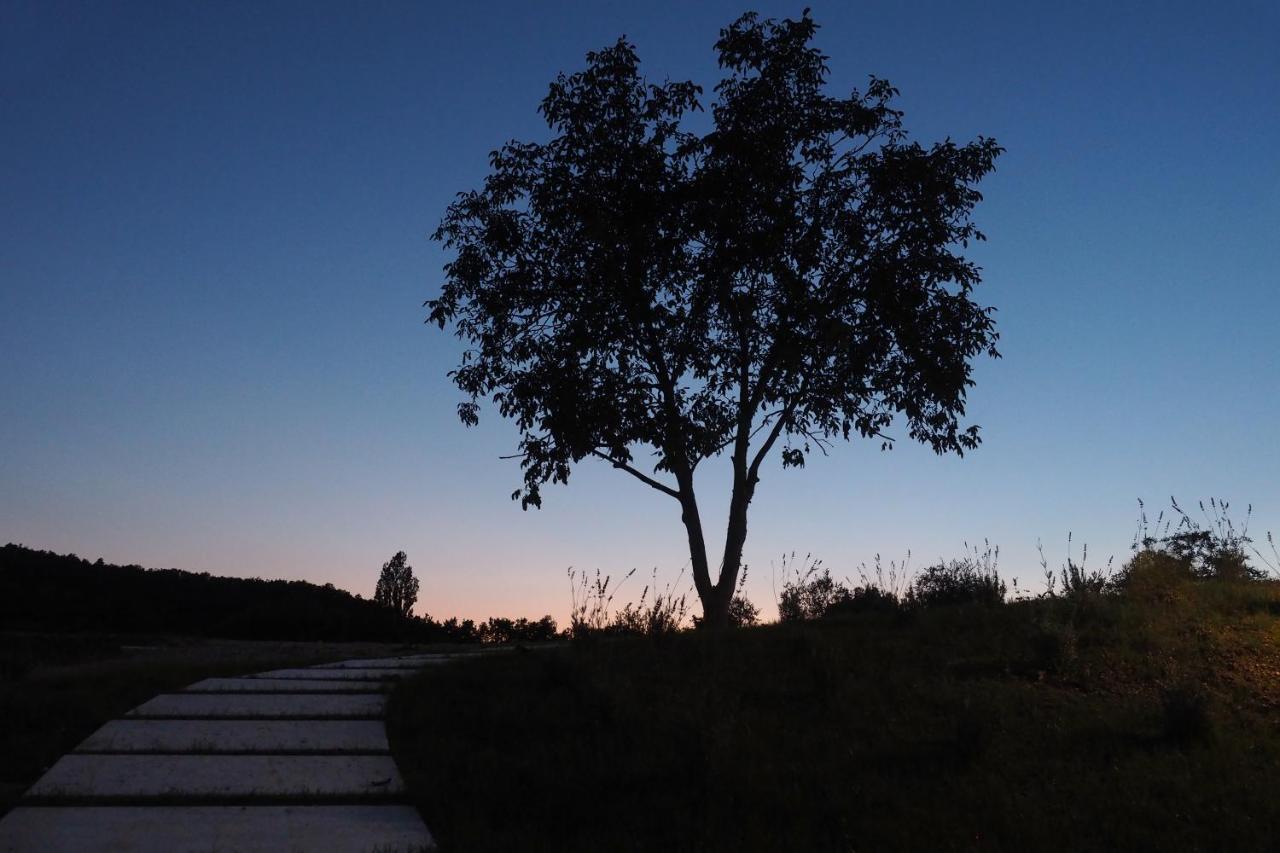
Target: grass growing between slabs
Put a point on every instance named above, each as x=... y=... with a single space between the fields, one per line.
x=1148 y=720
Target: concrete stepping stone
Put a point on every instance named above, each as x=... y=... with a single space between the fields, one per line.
x=220 y=776
x=383 y=663
x=201 y=829
x=213 y=767
x=213 y=736
x=262 y=705
x=335 y=674
x=287 y=685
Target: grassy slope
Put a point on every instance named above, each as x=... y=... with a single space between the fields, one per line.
x=1118 y=724
x=55 y=690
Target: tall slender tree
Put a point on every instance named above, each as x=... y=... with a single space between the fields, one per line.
x=397 y=587
x=792 y=277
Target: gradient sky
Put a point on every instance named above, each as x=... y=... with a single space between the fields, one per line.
x=213 y=256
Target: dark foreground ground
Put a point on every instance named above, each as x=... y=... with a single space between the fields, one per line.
x=1104 y=723
x=56 y=689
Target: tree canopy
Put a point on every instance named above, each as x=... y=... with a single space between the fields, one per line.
x=791 y=277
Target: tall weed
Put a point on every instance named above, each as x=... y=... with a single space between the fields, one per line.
x=1074 y=580
x=659 y=612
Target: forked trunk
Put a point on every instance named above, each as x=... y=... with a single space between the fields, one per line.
x=716 y=596
x=715 y=607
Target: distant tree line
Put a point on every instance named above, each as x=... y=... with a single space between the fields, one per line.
x=44 y=591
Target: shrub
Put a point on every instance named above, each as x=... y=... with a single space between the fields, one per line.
x=973 y=579
x=883 y=590
x=1074 y=580
x=1154 y=573
x=1213 y=547
x=742 y=612
x=810 y=593
x=864 y=599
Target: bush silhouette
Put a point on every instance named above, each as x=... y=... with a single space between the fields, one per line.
x=1154 y=573
x=864 y=599
x=969 y=580
x=810 y=592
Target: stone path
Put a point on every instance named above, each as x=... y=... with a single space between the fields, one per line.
x=287 y=760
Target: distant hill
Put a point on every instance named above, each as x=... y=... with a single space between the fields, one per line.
x=44 y=591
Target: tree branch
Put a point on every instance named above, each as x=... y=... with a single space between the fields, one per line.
x=647 y=480
x=767 y=446
x=774 y=433
x=763 y=423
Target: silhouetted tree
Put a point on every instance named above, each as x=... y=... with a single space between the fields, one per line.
x=791 y=277
x=397 y=587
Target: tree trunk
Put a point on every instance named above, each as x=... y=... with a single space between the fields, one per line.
x=715 y=605
x=716 y=595
x=697 y=542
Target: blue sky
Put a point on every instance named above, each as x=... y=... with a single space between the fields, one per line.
x=215 y=253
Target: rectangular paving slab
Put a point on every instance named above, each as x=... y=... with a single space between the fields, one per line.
x=383 y=663
x=198 y=776
x=384 y=674
x=201 y=829
x=288 y=685
x=185 y=736
x=262 y=705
